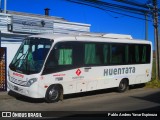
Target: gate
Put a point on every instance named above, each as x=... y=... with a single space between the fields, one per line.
x=3 y=66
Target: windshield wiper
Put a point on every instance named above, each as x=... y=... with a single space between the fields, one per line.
x=20 y=58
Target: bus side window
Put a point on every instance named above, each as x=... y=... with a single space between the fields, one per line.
x=144 y=54
x=93 y=54
x=65 y=57
x=52 y=59
x=117 y=54
x=106 y=53
x=90 y=53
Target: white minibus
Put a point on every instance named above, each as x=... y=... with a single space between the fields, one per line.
x=51 y=65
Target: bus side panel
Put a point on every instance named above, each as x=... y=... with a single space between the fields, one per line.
x=81 y=80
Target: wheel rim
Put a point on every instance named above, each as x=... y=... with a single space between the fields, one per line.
x=122 y=86
x=53 y=94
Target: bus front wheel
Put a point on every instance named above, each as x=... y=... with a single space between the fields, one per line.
x=53 y=94
x=123 y=85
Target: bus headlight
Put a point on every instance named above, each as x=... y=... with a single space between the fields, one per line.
x=31 y=81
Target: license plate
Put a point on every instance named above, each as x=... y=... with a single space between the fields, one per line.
x=15 y=88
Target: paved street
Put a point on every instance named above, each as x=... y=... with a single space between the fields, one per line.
x=105 y=100
x=135 y=99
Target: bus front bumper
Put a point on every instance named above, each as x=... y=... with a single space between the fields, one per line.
x=26 y=91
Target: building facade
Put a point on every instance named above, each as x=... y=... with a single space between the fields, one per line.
x=15 y=26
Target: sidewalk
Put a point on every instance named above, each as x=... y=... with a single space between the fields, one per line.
x=4 y=95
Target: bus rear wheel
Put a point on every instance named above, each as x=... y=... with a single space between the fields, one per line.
x=123 y=85
x=53 y=94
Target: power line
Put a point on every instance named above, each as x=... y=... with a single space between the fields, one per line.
x=137 y=4
x=115 y=6
x=105 y=9
x=140 y=10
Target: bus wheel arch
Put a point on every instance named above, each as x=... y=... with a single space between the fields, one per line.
x=123 y=85
x=54 y=93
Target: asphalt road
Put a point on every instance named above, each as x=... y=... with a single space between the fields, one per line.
x=135 y=99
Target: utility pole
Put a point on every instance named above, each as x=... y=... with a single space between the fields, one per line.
x=155 y=20
x=5 y=6
x=0 y=5
x=146 y=26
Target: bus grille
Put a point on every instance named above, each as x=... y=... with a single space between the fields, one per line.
x=18 y=82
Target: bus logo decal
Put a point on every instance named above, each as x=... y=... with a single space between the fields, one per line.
x=78 y=72
x=18 y=75
x=56 y=75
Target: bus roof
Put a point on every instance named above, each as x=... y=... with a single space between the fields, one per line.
x=84 y=37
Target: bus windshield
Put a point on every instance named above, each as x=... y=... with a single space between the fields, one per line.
x=31 y=55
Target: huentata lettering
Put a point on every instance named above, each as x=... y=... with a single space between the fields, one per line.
x=19 y=75
x=119 y=71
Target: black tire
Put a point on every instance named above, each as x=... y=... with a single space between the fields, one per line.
x=53 y=94
x=123 y=86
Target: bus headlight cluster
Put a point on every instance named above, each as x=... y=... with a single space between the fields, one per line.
x=31 y=81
